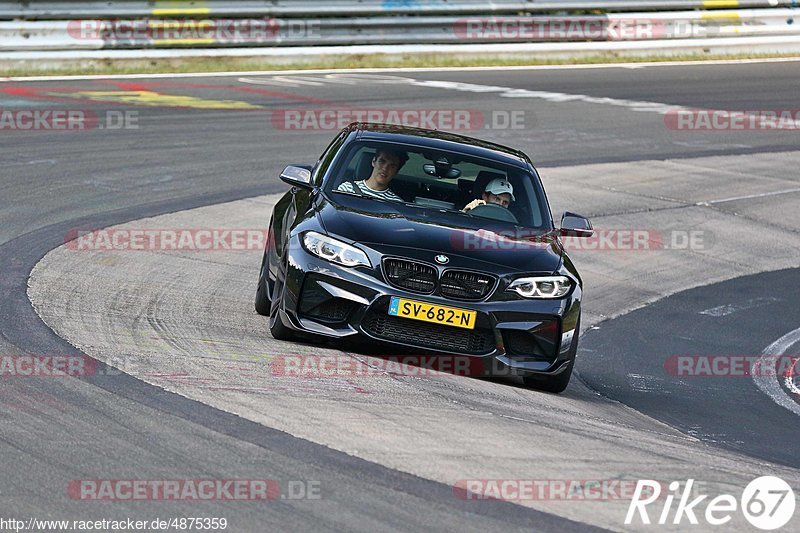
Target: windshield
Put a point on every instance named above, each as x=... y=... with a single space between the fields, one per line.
x=438 y=181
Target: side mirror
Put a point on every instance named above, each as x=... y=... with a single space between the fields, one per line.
x=573 y=225
x=298 y=176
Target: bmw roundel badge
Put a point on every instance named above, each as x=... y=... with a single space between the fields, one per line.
x=442 y=259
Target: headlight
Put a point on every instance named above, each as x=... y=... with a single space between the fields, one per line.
x=541 y=286
x=333 y=250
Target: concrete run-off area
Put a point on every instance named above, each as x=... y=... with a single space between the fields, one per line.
x=184 y=320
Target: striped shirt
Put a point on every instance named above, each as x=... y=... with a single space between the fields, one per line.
x=386 y=194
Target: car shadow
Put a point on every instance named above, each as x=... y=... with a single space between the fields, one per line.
x=421 y=362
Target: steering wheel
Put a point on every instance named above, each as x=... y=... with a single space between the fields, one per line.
x=495 y=212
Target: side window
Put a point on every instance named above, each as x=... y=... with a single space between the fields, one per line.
x=527 y=206
x=357 y=166
x=327 y=156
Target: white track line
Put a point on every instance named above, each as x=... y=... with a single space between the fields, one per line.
x=725 y=310
x=790 y=382
x=770 y=384
x=749 y=196
x=556 y=97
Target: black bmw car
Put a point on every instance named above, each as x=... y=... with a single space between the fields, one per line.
x=430 y=241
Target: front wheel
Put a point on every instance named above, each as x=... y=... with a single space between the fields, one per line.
x=276 y=327
x=262 y=300
x=558 y=383
x=279 y=331
x=555 y=384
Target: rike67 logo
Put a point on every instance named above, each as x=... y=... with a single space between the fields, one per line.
x=767 y=502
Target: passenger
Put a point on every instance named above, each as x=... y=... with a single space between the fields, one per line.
x=385 y=166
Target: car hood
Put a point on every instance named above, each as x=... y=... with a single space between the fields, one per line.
x=399 y=229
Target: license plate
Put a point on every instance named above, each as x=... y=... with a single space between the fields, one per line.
x=439 y=314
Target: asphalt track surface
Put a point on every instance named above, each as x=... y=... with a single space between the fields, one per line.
x=630 y=362
x=180 y=158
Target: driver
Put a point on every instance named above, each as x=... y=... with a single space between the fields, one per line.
x=498 y=191
x=385 y=166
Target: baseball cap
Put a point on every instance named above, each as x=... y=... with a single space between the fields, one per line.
x=500 y=186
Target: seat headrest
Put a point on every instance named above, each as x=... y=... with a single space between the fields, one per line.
x=364 y=165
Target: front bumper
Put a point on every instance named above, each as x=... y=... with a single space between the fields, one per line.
x=513 y=337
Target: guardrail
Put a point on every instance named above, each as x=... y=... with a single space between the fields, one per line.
x=147 y=33
x=69 y=9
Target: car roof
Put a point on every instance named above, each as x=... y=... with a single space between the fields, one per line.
x=441 y=140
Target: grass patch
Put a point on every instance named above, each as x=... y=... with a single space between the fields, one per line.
x=230 y=64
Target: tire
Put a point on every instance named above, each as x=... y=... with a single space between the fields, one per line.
x=558 y=383
x=262 y=300
x=554 y=384
x=276 y=327
x=279 y=331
